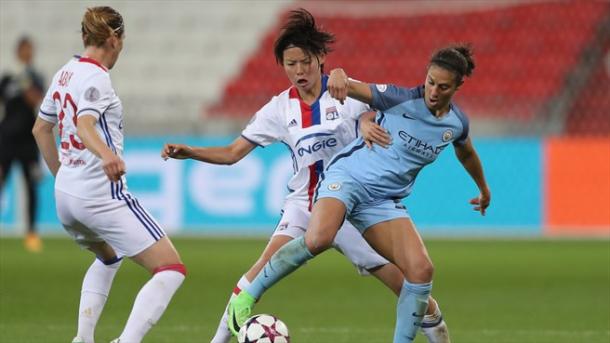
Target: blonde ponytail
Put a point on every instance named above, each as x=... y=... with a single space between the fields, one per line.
x=100 y=23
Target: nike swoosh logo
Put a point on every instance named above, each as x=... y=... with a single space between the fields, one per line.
x=236 y=325
x=405 y=115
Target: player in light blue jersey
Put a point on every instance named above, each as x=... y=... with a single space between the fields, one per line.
x=366 y=185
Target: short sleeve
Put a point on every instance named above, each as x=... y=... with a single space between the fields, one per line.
x=388 y=96
x=96 y=95
x=355 y=108
x=461 y=140
x=266 y=126
x=48 y=108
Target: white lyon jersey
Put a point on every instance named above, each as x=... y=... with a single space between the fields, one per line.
x=82 y=86
x=314 y=134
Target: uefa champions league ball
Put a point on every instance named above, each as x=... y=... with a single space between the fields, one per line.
x=263 y=328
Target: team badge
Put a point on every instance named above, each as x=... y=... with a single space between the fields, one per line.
x=92 y=94
x=447 y=135
x=381 y=88
x=332 y=113
x=335 y=186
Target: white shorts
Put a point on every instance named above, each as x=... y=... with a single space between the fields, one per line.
x=348 y=241
x=124 y=224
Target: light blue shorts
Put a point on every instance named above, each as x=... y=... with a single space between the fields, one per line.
x=363 y=210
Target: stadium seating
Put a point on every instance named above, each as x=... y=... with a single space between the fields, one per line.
x=202 y=64
x=523 y=53
x=590 y=113
x=176 y=56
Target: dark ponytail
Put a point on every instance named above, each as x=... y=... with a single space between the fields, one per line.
x=302 y=32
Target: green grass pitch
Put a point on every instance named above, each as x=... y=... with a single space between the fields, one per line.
x=491 y=291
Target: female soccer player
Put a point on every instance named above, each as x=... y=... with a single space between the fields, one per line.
x=314 y=127
x=93 y=202
x=366 y=185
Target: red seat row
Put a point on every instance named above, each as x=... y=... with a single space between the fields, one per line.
x=523 y=54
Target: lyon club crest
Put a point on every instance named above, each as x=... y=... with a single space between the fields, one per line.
x=332 y=113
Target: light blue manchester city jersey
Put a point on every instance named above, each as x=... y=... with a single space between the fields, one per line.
x=418 y=137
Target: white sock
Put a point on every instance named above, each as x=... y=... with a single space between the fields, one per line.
x=434 y=327
x=151 y=302
x=433 y=318
x=223 y=335
x=94 y=292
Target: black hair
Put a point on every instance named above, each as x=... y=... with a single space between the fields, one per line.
x=455 y=58
x=301 y=31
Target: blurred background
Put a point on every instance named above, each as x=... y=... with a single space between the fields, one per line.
x=196 y=71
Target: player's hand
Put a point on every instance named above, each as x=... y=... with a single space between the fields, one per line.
x=373 y=133
x=481 y=202
x=337 y=84
x=113 y=166
x=177 y=151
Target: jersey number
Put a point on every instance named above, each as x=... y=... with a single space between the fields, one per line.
x=62 y=114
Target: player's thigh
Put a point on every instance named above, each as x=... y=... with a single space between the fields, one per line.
x=336 y=195
x=161 y=253
x=398 y=241
x=375 y=213
x=327 y=217
x=349 y=242
x=294 y=220
x=102 y=250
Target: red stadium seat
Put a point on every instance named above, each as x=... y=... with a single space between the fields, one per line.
x=590 y=113
x=523 y=53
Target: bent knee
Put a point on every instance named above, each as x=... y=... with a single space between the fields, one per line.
x=318 y=243
x=421 y=272
x=427 y=271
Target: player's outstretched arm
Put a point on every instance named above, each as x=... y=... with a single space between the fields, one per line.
x=229 y=154
x=340 y=87
x=469 y=158
x=43 y=134
x=113 y=165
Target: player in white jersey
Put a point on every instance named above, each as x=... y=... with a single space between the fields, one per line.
x=314 y=127
x=93 y=202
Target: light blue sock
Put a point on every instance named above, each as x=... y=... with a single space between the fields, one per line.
x=286 y=260
x=410 y=311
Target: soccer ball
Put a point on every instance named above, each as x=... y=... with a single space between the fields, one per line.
x=263 y=328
